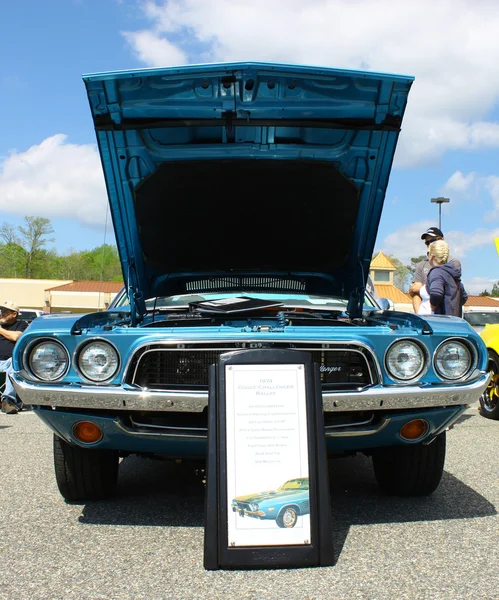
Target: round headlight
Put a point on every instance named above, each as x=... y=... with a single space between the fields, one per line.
x=453 y=360
x=405 y=360
x=48 y=360
x=98 y=361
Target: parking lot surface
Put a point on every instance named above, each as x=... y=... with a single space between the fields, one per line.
x=147 y=543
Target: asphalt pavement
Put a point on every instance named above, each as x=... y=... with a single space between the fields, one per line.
x=147 y=543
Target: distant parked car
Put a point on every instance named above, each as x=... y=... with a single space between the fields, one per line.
x=489 y=401
x=30 y=314
x=478 y=319
x=283 y=505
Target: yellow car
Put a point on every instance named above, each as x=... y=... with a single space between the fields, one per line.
x=489 y=402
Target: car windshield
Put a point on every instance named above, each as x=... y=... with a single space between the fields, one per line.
x=290 y=300
x=294 y=484
x=28 y=314
x=482 y=318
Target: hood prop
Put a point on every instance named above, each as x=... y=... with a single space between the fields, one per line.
x=135 y=296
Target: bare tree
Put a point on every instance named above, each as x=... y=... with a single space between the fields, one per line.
x=8 y=234
x=33 y=237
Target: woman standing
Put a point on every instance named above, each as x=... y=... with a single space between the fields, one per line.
x=447 y=294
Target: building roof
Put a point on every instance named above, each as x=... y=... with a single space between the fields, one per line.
x=385 y=290
x=482 y=301
x=381 y=261
x=107 y=287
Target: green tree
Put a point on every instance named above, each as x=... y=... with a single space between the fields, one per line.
x=12 y=254
x=401 y=274
x=411 y=267
x=33 y=238
x=23 y=253
x=494 y=293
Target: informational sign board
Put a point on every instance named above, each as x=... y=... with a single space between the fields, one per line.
x=267 y=482
x=268 y=499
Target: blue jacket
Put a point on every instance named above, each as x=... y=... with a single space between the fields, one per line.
x=446 y=290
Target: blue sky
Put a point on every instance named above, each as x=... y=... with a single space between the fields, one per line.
x=449 y=145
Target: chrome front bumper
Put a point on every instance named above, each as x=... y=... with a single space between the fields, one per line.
x=375 y=398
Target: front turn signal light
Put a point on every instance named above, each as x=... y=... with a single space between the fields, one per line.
x=414 y=430
x=87 y=432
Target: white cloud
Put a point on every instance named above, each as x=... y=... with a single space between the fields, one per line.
x=476 y=285
x=406 y=243
x=462 y=244
x=450 y=46
x=458 y=182
x=492 y=185
x=54 y=179
x=154 y=50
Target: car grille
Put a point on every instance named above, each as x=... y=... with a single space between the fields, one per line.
x=185 y=368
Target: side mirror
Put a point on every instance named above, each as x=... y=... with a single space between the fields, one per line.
x=386 y=304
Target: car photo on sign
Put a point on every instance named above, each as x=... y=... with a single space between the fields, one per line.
x=284 y=505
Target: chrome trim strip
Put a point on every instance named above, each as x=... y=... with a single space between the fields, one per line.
x=305 y=349
x=356 y=424
x=254 y=340
x=169 y=427
x=182 y=433
x=373 y=398
x=353 y=433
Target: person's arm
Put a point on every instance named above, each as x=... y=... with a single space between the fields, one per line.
x=435 y=285
x=417 y=283
x=414 y=293
x=12 y=336
x=464 y=295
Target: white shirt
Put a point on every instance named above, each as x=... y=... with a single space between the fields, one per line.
x=425 y=308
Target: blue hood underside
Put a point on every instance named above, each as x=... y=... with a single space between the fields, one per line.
x=246 y=176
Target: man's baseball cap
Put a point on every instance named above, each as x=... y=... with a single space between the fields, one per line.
x=9 y=305
x=432 y=232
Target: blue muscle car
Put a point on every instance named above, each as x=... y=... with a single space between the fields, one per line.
x=254 y=180
x=283 y=505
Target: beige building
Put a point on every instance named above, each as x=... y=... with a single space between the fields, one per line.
x=56 y=295
x=480 y=303
x=382 y=271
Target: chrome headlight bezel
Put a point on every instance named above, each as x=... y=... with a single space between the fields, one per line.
x=81 y=349
x=31 y=347
x=473 y=358
x=424 y=366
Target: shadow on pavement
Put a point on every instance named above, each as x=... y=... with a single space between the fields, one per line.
x=464 y=417
x=357 y=500
x=156 y=493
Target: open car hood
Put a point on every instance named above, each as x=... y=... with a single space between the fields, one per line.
x=246 y=176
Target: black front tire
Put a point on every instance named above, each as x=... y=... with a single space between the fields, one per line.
x=489 y=401
x=413 y=470
x=84 y=474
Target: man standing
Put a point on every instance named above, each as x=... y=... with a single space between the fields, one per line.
x=11 y=329
x=432 y=234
